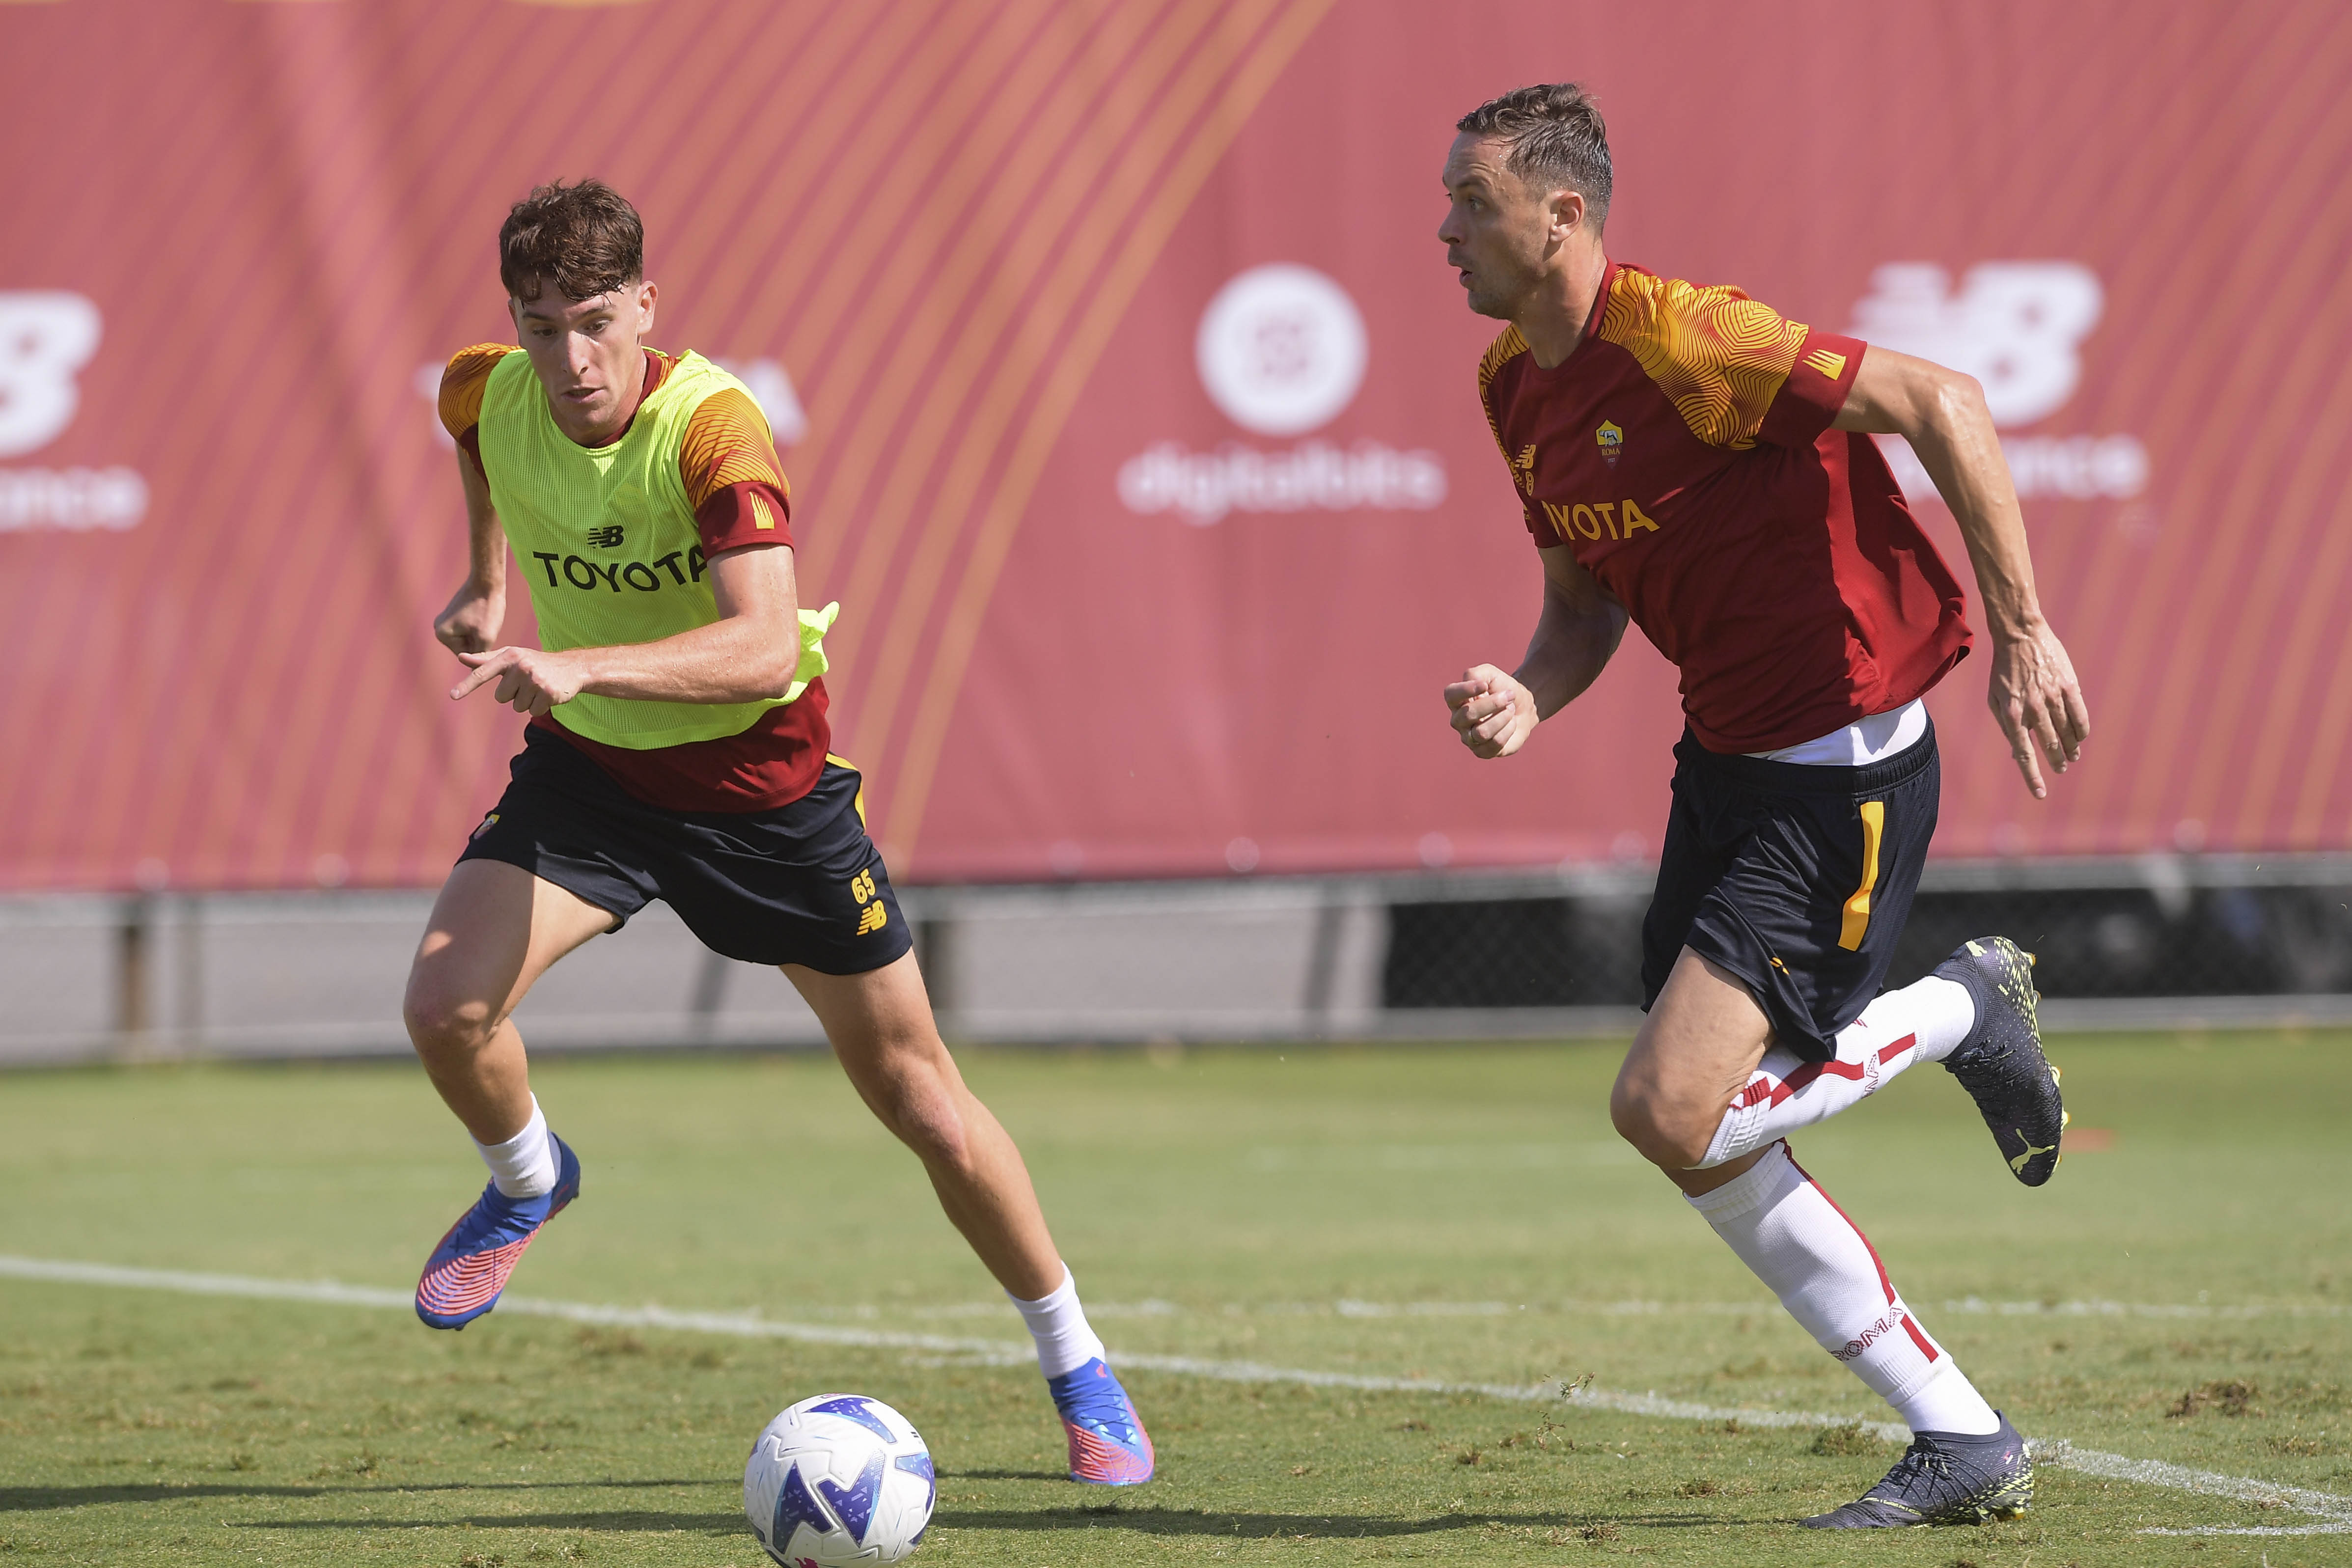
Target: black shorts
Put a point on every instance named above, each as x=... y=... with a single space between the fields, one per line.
x=1796 y=878
x=800 y=885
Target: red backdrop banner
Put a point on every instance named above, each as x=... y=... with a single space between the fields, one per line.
x=1129 y=405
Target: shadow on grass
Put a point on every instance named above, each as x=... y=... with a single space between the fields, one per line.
x=28 y=1499
x=1271 y=1526
x=617 y=1521
x=1114 y=1516
x=1165 y=1522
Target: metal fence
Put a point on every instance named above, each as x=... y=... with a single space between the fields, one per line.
x=2143 y=928
x=2155 y=941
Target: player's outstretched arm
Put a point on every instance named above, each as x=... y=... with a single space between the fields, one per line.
x=751 y=652
x=470 y=624
x=1942 y=414
x=1579 y=628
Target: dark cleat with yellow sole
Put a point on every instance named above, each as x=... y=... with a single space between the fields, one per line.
x=1944 y=1478
x=2001 y=1063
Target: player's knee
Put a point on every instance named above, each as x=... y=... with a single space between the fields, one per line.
x=444 y=1024
x=917 y=1105
x=1662 y=1133
x=927 y=1120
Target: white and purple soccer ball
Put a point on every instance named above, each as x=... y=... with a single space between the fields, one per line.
x=839 y=1479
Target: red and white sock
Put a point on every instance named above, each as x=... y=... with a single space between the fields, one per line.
x=1065 y=1341
x=1808 y=1253
x=1924 y=1021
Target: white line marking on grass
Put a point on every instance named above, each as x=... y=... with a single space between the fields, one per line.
x=1976 y=1304
x=2336 y=1511
x=2337 y=1529
x=1969 y=1306
x=1352 y=1307
x=1973 y=1306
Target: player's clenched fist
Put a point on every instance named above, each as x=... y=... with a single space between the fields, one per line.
x=531 y=679
x=470 y=622
x=1492 y=712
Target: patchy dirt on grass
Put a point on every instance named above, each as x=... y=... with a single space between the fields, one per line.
x=1846 y=1442
x=2233 y=1397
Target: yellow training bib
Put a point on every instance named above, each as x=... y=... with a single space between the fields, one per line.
x=608 y=542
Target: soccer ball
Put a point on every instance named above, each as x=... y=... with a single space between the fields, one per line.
x=836 y=1480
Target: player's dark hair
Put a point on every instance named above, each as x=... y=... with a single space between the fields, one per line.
x=1556 y=138
x=585 y=238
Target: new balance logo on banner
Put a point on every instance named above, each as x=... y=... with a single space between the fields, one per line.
x=2018 y=327
x=46 y=336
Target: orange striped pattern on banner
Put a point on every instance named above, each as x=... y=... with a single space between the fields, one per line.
x=981 y=236
x=1030 y=136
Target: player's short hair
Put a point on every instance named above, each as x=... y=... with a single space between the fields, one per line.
x=1556 y=138
x=585 y=239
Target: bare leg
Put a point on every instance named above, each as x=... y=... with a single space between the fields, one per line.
x=495 y=930
x=881 y=1028
x=1694 y=1055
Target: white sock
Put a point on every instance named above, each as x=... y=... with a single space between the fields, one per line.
x=1808 y=1253
x=1947 y=1402
x=1922 y=1022
x=1059 y=1325
x=524 y=1166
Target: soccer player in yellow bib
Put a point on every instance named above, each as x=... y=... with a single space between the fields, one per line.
x=676 y=750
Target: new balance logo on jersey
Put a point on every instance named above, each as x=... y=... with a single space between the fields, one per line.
x=873 y=916
x=606 y=537
x=1523 y=469
x=676 y=569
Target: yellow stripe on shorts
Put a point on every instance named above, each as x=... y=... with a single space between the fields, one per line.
x=1857 y=908
x=860 y=801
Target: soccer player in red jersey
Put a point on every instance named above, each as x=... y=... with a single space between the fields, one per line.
x=1692 y=461
x=676 y=750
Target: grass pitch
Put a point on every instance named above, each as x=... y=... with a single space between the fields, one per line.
x=2177 y=1293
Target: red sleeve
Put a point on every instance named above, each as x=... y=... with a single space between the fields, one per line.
x=752 y=512
x=1811 y=399
x=736 y=487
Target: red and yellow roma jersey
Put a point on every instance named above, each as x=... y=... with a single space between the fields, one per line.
x=1684 y=453
x=737 y=488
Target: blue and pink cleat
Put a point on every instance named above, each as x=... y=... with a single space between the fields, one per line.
x=1108 y=1447
x=463 y=1278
